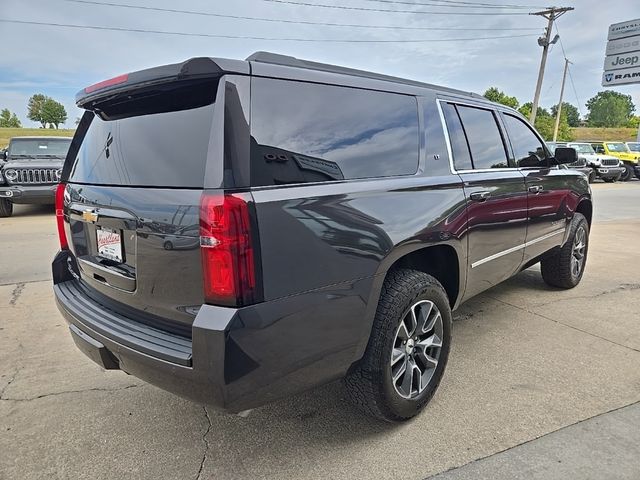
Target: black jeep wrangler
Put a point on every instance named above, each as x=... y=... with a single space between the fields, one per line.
x=329 y=220
x=30 y=170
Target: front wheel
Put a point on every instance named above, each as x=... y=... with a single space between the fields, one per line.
x=6 y=208
x=408 y=348
x=627 y=174
x=610 y=180
x=564 y=269
x=592 y=177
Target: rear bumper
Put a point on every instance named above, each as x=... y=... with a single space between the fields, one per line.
x=37 y=194
x=236 y=359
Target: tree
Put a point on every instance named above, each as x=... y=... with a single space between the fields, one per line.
x=573 y=116
x=565 y=132
x=525 y=110
x=498 y=96
x=9 y=119
x=53 y=112
x=35 y=105
x=545 y=123
x=610 y=109
x=634 y=122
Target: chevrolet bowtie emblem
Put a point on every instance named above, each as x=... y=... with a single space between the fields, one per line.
x=90 y=216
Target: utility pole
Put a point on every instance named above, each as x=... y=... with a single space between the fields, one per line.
x=559 y=110
x=551 y=14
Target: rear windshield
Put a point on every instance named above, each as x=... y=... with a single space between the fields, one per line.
x=162 y=149
x=34 y=147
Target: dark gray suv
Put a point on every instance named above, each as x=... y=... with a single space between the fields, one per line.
x=240 y=231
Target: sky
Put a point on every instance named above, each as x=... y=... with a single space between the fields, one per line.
x=60 y=61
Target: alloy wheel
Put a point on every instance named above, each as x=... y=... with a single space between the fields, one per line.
x=416 y=349
x=578 y=252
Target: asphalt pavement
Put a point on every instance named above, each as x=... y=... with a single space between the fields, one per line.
x=541 y=383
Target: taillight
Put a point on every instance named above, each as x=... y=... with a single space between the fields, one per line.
x=227 y=252
x=107 y=83
x=64 y=245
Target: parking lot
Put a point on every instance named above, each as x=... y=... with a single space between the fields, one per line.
x=533 y=373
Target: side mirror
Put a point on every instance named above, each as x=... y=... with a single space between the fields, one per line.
x=3 y=154
x=566 y=155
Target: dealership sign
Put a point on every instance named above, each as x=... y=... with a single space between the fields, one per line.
x=622 y=61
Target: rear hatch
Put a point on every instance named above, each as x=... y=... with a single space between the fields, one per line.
x=134 y=182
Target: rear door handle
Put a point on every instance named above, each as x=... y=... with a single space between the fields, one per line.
x=535 y=188
x=480 y=196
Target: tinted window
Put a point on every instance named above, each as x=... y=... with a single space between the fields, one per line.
x=304 y=132
x=483 y=135
x=527 y=148
x=459 y=147
x=162 y=149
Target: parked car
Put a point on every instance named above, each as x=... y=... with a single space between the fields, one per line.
x=606 y=167
x=339 y=226
x=31 y=171
x=630 y=160
x=634 y=147
x=580 y=165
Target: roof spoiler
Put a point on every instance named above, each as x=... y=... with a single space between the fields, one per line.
x=91 y=97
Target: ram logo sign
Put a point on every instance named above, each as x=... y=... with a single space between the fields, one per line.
x=621 y=77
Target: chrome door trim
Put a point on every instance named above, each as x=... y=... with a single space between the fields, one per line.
x=517 y=247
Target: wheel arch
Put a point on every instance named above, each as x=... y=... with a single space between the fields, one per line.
x=446 y=262
x=585 y=207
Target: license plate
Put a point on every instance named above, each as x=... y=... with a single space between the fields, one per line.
x=109 y=244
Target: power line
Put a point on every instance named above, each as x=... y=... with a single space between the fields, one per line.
x=454 y=4
x=243 y=37
x=386 y=10
x=573 y=85
x=278 y=20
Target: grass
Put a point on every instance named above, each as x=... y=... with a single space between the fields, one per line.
x=610 y=134
x=7 y=133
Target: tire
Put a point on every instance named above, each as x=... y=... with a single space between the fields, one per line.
x=565 y=268
x=592 y=177
x=370 y=383
x=168 y=245
x=610 y=180
x=6 y=208
x=627 y=174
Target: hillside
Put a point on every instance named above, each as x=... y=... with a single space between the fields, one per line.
x=7 y=133
x=619 y=134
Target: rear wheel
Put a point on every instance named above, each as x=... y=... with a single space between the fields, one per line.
x=627 y=174
x=6 y=208
x=408 y=348
x=565 y=268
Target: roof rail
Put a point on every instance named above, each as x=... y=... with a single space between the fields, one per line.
x=289 y=61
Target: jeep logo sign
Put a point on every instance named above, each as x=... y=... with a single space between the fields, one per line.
x=622 y=61
x=617 y=62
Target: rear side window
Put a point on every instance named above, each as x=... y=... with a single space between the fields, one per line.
x=484 y=138
x=459 y=146
x=304 y=132
x=162 y=149
x=527 y=147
